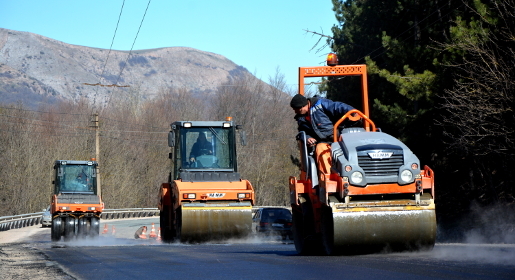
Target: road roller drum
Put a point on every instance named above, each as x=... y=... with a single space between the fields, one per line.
x=408 y=229
x=202 y=222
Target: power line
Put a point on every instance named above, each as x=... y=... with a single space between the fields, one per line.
x=136 y=131
x=130 y=52
x=44 y=112
x=70 y=114
x=31 y=119
x=61 y=126
x=110 y=48
x=46 y=133
x=84 y=129
x=106 y=118
x=102 y=85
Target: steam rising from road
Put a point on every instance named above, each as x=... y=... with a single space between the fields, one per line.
x=110 y=240
x=487 y=235
x=122 y=233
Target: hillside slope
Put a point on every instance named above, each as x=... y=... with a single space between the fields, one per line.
x=37 y=69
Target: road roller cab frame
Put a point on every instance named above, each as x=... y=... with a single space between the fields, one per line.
x=376 y=195
x=76 y=203
x=205 y=197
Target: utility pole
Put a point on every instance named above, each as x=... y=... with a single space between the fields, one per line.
x=97 y=152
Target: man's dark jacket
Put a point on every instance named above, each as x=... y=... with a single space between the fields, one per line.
x=324 y=114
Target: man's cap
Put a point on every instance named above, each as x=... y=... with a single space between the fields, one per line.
x=298 y=101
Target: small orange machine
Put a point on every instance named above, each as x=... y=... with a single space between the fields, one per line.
x=76 y=204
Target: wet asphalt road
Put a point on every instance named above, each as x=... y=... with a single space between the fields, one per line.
x=120 y=256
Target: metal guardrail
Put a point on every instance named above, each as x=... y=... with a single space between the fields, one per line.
x=19 y=221
x=125 y=213
x=25 y=220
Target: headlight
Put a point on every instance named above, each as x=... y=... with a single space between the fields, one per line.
x=406 y=176
x=356 y=177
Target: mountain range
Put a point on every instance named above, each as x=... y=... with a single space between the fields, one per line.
x=35 y=69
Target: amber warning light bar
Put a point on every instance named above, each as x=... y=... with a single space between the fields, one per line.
x=332 y=59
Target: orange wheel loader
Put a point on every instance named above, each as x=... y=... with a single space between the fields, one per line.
x=376 y=195
x=76 y=204
x=205 y=197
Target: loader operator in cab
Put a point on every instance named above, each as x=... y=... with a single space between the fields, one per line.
x=82 y=177
x=83 y=180
x=201 y=147
x=316 y=116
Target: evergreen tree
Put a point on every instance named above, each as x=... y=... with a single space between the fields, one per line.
x=395 y=39
x=439 y=72
x=480 y=123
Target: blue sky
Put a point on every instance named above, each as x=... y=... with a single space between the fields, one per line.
x=262 y=36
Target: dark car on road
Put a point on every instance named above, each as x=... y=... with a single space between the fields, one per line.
x=273 y=221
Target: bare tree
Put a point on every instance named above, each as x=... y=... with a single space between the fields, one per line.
x=264 y=112
x=133 y=143
x=480 y=124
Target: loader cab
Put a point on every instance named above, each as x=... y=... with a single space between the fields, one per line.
x=75 y=177
x=203 y=146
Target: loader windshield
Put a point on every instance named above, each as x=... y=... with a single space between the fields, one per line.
x=72 y=178
x=207 y=148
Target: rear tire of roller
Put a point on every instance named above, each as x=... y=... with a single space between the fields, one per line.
x=94 y=229
x=69 y=228
x=304 y=236
x=82 y=227
x=165 y=224
x=327 y=229
x=178 y=226
x=56 y=229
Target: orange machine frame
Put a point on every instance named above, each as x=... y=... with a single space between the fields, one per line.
x=333 y=184
x=337 y=70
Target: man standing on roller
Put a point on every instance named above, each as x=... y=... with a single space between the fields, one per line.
x=316 y=116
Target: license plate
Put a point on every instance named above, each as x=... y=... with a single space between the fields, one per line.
x=277 y=225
